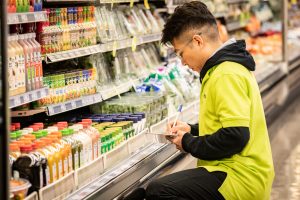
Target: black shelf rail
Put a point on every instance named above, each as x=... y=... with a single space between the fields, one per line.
x=4 y=113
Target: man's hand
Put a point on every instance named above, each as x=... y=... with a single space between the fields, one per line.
x=179 y=126
x=177 y=140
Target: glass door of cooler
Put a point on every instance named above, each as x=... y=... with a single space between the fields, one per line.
x=4 y=118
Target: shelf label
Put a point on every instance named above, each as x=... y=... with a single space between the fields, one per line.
x=146 y=3
x=69 y=106
x=114 y=50
x=133 y=44
x=24 y=18
x=38 y=94
x=79 y=103
x=131 y=3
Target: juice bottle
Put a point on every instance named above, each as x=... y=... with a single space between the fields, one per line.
x=20 y=66
x=51 y=160
x=94 y=134
x=11 y=68
x=11 y=6
x=36 y=146
x=39 y=145
x=64 y=152
x=29 y=166
x=74 y=159
x=38 y=60
x=28 y=63
x=85 y=135
x=14 y=151
x=58 y=155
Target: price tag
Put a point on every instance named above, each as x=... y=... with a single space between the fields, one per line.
x=114 y=50
x=24 y=18
x=15 y=19
x=133 y=84
x=146 y=3
x=133 y=44
x=26 y=98
x=112 y=4
x=50 y=110
x=73 y=104
x=117 y=92
x=131 y=3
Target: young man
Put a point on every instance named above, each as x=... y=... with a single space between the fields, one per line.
x=231 y=140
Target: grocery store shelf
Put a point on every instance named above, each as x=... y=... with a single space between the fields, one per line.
x=26 y=17
x=237 y=1
x=116 y=1
x=26 y=113
x=28 y=97
x=70 y=54
x=294 y=62
x=73 y=104
x=233 y=26
x=32 y=196
x=80 y=1
x=117 y=90
x=101 y=48
x=270 y=75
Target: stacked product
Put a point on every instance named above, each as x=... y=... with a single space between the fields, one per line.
x=67 y=28
x=67 y=85
x=24 y=6
x=43 y=155
x=122 y=22
x=24 y=64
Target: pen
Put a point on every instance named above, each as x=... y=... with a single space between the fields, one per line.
x=177 y=115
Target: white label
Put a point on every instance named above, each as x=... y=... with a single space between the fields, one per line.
x=83 y=158
x=76 y=160
x=41 y=177
x=54 y=175
x=66 y=165
x=70 y=163
x=47 y=175
x=60 y=170
x=95 y=150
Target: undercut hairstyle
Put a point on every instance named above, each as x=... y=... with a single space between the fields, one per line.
x=189 y=16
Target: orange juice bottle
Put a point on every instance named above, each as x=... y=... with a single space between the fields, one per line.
x=66 y=153
x=57 y=156
x=51 y=168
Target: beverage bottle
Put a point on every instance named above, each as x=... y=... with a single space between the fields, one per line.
x=29 y=66
x=12 y=59
x=85 y=135
x=51 y=159
x=39 y=66
x=75 y=149
x=94 y=134
x=21 y=68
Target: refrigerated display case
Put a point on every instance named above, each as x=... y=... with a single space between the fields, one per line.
x=144 y=156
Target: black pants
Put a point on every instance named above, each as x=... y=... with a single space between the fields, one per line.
x=193 y=184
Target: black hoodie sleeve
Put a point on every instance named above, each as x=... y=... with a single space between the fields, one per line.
x=194 y=129
x=222 y=144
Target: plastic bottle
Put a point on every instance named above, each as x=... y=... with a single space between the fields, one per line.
x=12 y=59
x=38 y=57
x=67 y=137
x=29 y=166
x=85 y=135
x=21 y=66
x=94 y=134
x=50 y=153
x=28 y=63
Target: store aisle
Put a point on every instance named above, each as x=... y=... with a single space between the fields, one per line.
x=285 y=142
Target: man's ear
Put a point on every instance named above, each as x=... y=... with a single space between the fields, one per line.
x=198 y=40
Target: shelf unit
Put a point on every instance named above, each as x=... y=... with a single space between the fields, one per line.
x=28 y=97
x=73 y=104
x=101 y=48
x=26 y=17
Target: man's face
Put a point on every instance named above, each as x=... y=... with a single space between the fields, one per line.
x=191 y=51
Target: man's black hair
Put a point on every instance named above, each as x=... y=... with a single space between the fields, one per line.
x=188 y=16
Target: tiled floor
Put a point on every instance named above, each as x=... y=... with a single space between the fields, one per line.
x=285 y=142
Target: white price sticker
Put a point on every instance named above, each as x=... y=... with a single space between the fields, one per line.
x=50 y=110
x=26 y=98
x=24 y=18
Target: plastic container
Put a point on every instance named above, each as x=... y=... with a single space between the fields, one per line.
x=19 y=188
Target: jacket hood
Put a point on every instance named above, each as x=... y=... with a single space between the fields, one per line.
x=235 y=52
